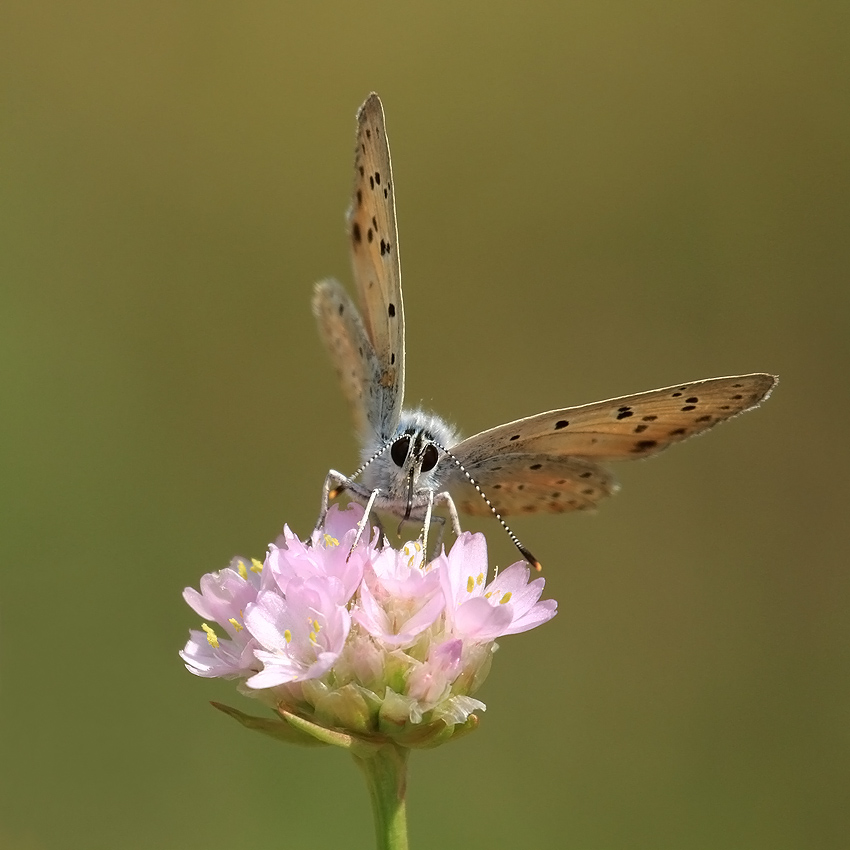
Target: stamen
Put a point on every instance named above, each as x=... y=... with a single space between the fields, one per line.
x=412 y=548
x=236 y=624
x=212 y=639
x=242 y=570
x=256 y=566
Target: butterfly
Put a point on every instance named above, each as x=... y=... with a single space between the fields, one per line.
x=412 y=460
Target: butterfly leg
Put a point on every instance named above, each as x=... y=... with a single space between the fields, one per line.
x=364 y=521
x=335 y=482
x=442 y=498
x=445 y=498
x=429 y=509
x=440 y=522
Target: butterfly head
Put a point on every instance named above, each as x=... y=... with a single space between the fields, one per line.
x=412 y=459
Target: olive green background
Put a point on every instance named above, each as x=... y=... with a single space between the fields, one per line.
x=594 y=199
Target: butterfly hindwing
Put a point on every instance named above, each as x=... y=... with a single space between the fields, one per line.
x=530 y=483
x=373 y=237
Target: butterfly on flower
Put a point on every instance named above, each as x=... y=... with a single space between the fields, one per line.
x=412 y=460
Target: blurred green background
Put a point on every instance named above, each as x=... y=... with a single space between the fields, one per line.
x=593 y=199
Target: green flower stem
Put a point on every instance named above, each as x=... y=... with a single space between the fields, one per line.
x=386 y=775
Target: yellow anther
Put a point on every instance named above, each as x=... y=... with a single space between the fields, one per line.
x=211 y=636
x=488 y=594
x=330 y=541
x=506 y=598
x=242 y=569
x=256 y=566
x=287 y=636
x=479 y=579
x=412 y=548
x=470 y=584
x=236 y=624
x=313 y=637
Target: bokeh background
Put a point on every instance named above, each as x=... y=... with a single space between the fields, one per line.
x=594 y=199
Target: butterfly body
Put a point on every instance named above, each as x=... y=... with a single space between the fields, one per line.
x=412 y=460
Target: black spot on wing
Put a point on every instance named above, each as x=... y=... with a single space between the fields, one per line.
x=644 y=445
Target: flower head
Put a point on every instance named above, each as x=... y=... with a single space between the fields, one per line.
x=223 y=598
x=374 y=641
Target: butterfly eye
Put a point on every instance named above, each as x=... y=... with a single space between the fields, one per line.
x=399 y=450
x=429 y=458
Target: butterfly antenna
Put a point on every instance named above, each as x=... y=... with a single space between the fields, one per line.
x=514 y=539
x=337 y=490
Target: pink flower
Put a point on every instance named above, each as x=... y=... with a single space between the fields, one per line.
x=377 y=641
x=430 y=682
x=328 y=554
x=398 y=599
x=223 y=598
x=301 y=634
x=479 y=612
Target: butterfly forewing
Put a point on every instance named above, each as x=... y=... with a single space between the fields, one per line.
x=628 y=427
x=351 y=352
x=374 y=247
